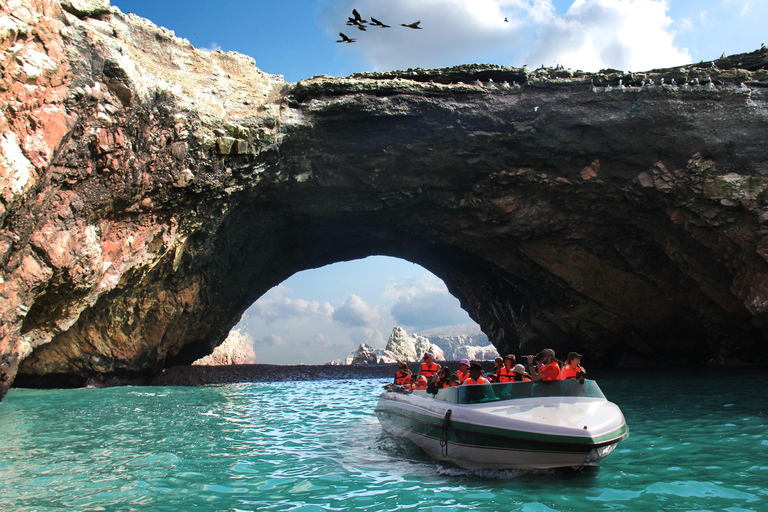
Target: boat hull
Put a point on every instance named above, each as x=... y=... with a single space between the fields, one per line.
x=551 y=432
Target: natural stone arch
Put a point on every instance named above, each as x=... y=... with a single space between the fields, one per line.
x=564 y=209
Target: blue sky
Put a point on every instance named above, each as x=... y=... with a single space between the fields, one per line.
x=324 y=314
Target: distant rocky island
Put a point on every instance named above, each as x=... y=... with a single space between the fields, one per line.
x=451 y=343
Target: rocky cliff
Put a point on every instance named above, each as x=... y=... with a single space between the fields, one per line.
x=150 y=192
x=400 y=348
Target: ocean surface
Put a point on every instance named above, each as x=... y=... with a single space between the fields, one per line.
x=698 y=441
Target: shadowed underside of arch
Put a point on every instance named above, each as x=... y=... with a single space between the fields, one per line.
x=561 y=212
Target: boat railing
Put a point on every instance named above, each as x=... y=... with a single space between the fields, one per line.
x=483 y=393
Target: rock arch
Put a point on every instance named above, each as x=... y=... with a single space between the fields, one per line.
x=150 y=199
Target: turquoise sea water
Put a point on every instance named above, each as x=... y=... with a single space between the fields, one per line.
x=698 y=441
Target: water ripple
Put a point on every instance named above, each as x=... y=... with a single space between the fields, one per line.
x=314 y=446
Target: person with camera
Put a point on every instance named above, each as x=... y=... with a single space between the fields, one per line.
x=572 y=368
x=401 y=377
x=546 y=367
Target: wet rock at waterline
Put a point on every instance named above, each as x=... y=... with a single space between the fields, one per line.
x=150 y=192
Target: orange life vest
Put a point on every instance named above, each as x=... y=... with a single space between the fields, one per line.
x=506 y=374
x=462 y=375
x=402 y=378
x=420 y=384
x=550 y=371
x=569 y=372
x=428 y=370
x=480 y=380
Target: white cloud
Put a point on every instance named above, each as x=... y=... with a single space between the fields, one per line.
x=273 y=306
x=593 y=34
x=692 y=23
x=373 y=337
x=269 y=341
x=424 y=302
x=623 y=34
x=356 y=312
x=213 y=47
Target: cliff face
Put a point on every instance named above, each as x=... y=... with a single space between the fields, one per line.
x=149 y=193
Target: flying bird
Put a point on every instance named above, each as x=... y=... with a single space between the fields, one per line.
x=345 y=39
x=415 y=24
x=354 y=23
x=357 y=16
x=378 y=23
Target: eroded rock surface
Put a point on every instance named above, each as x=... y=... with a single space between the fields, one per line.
x=150 y=192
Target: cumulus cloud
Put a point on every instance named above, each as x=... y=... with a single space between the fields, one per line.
x=592 y=34
x=273 y=306
x=270 y=340
x=355 y=312
x=373 y=337
x=623 y=34
x=424 y=302
x=213 y=47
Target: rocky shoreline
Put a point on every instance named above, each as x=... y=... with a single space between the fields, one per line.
x=203 y=375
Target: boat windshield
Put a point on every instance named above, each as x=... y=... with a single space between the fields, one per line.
x=518 y=390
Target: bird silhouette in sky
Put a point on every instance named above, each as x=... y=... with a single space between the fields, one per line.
x=345 y=39
x=415 y=24
x=357 y=16
x=378 y=23
x=354 y=23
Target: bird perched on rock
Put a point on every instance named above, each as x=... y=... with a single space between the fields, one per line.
x=378 y=23
x=345 y=39
x=415 y=24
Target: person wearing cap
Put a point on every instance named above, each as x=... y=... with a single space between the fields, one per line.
x=519 y=374
x=453 y=381
x=548 y=369
x=463 y=371
x=401 y=377
x=428 y=367
x=505 y=372
x=572 y=368
x=475 y=375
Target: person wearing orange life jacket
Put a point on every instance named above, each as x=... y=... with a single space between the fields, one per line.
x=548 y=368
x=401 y=377
x=419 y=382
x=463 y=371
x=572 y=368
x=475 y=375
x=428 y=367
x=505 y=372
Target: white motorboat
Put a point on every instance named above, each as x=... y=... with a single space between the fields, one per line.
x=565 y=423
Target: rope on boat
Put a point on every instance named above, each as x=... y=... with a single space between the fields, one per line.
x=444 y=433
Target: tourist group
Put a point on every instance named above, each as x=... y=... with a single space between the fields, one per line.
x=542 y=367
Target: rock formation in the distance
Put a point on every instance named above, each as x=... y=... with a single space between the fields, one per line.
x=400 y=348
x=236 y=349
x=150 y=192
